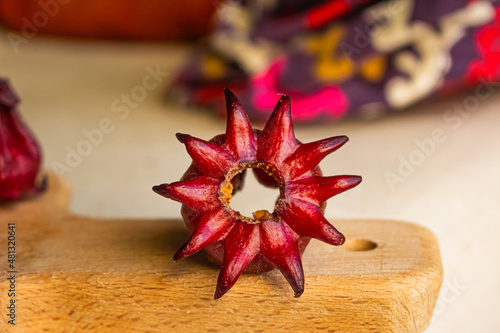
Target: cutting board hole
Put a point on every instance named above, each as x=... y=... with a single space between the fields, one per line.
x=359 y=244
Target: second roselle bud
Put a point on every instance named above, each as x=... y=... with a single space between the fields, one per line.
x=19 y=150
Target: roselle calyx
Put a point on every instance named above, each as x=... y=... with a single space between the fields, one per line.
x=19 y=151
x=265 y=240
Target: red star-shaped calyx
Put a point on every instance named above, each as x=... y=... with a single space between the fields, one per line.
x=266 y=240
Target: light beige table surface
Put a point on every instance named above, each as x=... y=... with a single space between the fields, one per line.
x=70 y=87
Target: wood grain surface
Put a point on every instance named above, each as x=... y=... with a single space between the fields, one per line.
x=76 y=274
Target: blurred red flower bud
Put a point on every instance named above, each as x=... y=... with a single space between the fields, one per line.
x=19 y=151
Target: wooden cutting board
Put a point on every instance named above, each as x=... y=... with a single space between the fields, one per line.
x=75 y=273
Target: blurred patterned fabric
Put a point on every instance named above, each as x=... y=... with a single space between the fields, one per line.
x=343 y=58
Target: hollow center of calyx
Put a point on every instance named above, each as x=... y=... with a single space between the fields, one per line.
x=227 y=191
